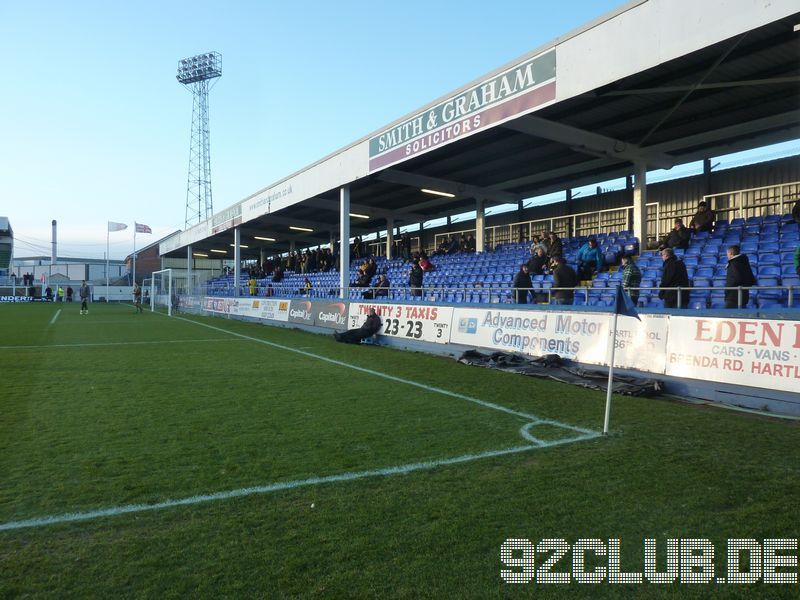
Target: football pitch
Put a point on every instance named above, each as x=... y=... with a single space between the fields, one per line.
x=142 y=455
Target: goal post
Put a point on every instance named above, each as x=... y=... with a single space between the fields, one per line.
x=163 y=297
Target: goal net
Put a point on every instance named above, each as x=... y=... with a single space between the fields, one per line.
x=163 y=296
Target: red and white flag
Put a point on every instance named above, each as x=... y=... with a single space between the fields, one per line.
x=112 y=226
x=143 y=228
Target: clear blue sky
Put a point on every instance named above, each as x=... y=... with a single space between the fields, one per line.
x=94 y=126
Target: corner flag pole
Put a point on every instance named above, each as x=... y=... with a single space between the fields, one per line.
x=623 y=305
x=611 y=373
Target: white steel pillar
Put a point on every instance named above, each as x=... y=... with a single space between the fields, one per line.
x=480 y=224
x=237 y=262
x=640 y=204
x=189 y=288
x=344 y=241
x=389 y=238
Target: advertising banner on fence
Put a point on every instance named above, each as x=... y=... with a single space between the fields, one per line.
x=575 y=336
x=301 y=312
x=409 y=321
x=255 y=308
x=752 y=352
x=642 y=344
x=332 y=315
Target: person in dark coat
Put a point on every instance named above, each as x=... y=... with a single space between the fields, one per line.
x=796 y=211
x=674 y=276
x=703 y=219
x=738 y=274
x=522 y=285
x=354 y=336
x=564 y=276
x=555 y=247
x=679 y=237
x=537 y=264
x=415 y=278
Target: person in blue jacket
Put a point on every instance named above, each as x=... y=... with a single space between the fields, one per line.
x=590 y=259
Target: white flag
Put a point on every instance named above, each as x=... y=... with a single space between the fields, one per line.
x=116 y=226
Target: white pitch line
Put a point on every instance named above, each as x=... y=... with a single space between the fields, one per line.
x=91 y=344
x=585 y=434
x=423 y=386
x=55 y=317
x=279 y=486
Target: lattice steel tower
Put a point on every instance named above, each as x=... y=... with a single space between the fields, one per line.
x=195 y=73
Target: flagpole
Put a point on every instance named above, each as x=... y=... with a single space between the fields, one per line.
x=610 y=374
x=134 y=253
x=108 y=233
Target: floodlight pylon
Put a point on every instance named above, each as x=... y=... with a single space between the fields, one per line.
x=195 y=73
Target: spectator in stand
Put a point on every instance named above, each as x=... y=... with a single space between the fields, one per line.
x=357 y=247
x=251 y=284
x=371 y=268
x=381 y=289
x=674 y=277
x=424 y=263
x=738 y=273
x=590 y=259
x=363 y=280
x=307 y=287
x=796 y=212
x=631 y=277
x=415 y=277
x=470 y=243
x=703 y=219
x=537 y=264
x=536 y=242
x=679 y=237
x=277 y=274
x=454 y=247
x=797 y=260
x=555 y=247
x=565 y=277
x=522 y=285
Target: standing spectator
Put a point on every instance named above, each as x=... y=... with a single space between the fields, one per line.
x=415 y=278
x=84 y=294
x=454 y=247
x=522 y=285
x=703 y=219
x=679 y=237
x=536 y=242
x=424 y=262
x=631 y=277
x=555 y=247
x=307 y=287
x=738 y=273
x=48 y=293
x=674 y=277
x=406 y=239
x=565 y=277
x=251 y=284
x=537 y=264
x=277 y=274
x=59 y=294
x=797 y=258
x=796 y=212
x=590 y=259
x=470 y=243
x=70 y=293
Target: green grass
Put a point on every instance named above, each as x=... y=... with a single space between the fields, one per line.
x=116 y=408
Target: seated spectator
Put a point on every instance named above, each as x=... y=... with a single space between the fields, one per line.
x=538 y=263
x=738 y=273
x=354 y=336
x=381 y=289
x=307 y=287
x=536 y=242
x=590 y=259
x=555 y=247
x=363 y=279
x=470 y=244
x=454 y=246
x=703 y=219
x=522 y=285
x=679 y=237
x=631 y=277
x=565 y=277
x=425 y=264
x=674 y=276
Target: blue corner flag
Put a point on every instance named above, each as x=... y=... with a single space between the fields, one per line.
x=623 y=305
